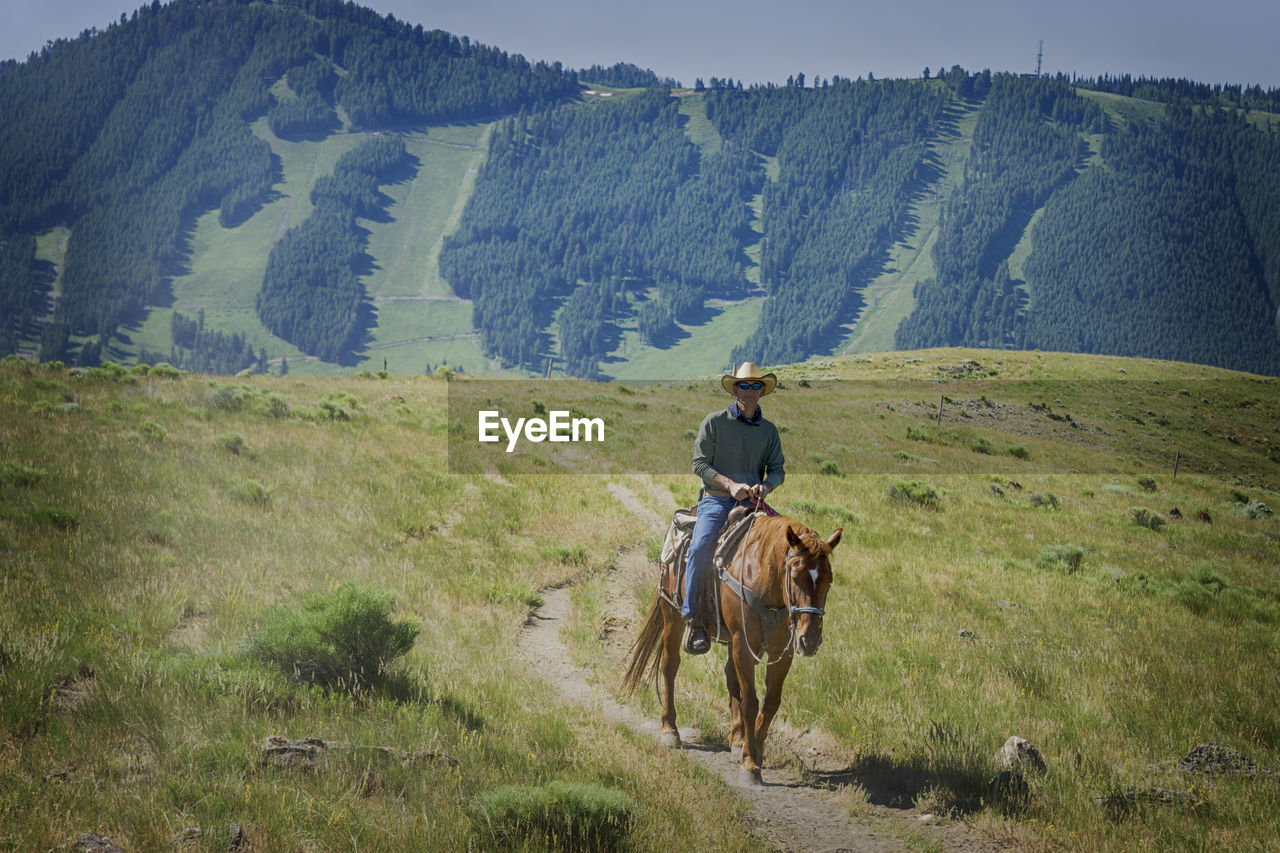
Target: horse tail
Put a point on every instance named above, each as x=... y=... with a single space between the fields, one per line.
x=644 y=663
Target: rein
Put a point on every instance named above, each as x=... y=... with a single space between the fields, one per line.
x=769 y=616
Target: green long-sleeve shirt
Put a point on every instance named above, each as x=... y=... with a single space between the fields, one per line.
x=744 y=451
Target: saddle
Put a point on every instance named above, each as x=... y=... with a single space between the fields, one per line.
x=675 y=551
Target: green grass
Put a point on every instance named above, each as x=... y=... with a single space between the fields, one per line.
x=1022 y=249
x=1125 y=110
x=142 y=553
x=51 y=246
x=414 y=333
x=1264 y=120
x=597 y=92
x=127 y=703
x=705 y=345
x=699 y=129
x=890 y=297
x=423 y=211
x=226 y=265
x=1112 y=646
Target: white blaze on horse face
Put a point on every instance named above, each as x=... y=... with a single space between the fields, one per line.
x=813 y=574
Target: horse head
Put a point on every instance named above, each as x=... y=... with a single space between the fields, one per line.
x=808 y=567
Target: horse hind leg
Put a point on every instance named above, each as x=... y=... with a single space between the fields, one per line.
x=672 y=634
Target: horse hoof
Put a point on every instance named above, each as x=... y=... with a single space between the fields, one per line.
x=671 y=740
x=749 y=778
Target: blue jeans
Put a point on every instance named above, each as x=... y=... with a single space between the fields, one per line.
x=712 y=513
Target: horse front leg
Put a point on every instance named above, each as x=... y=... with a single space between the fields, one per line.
x=745 y=669
x=775 y=674
x=672 y=634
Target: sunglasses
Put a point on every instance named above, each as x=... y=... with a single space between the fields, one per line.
x=751 y=386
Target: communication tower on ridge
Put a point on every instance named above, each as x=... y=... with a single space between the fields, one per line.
x=1039 y=56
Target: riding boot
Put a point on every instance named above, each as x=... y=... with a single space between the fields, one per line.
x=696 y=640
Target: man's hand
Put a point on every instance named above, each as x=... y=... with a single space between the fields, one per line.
x=759 y=490
x=740 y=491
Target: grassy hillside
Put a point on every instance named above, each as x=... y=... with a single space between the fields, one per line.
x=419 y=320
x=889 y=297
x=696 y=347
x=226 y=267
x=149 y=528
x=1125 y=110
x=149 y=524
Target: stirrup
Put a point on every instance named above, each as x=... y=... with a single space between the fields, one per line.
x=696 y=640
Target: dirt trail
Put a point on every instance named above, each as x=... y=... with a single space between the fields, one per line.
x=790 y=809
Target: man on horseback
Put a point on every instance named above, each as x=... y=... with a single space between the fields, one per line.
x=738 y=456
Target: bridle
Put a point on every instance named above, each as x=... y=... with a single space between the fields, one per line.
x=770 y=616
x=796 y=611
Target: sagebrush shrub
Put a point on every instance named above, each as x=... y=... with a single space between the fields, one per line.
x=978 y=444
x=345 y=638
x=230 y=398
x=17 y=474
x=338 y=406
x=1064 y=557
x=164 y=370
x=914 y=434
x=1147 y=518
x=59 y=517
x=152 y=431
x=1254 y=509
x=916 y=492
x=252 y=492
x=277 y=406
x=557 y=815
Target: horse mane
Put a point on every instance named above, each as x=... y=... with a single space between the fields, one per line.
x=767 y=540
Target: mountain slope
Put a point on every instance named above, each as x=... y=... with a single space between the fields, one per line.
x=890 y=297
x=528 y=221
x=143 y=159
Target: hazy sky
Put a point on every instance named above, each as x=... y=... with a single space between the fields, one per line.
x=755 y=41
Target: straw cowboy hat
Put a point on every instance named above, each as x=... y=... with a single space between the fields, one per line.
x=751 y=371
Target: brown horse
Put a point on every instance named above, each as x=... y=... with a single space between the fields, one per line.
x=772 y=601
